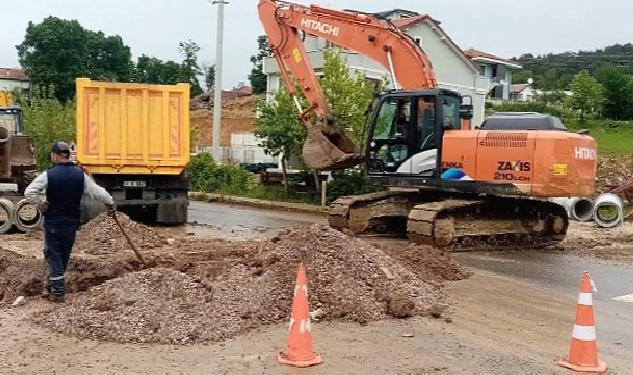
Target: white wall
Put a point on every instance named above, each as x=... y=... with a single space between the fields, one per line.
x=11 y=85
x=245 y=149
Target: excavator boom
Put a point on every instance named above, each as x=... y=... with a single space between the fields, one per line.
x=327 y=146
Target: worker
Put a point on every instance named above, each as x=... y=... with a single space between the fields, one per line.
x=64 y=184
x=402 y=124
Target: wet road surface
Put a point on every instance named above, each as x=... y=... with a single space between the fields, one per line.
x=236 y=221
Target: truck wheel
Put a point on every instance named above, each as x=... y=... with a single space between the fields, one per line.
x=7 y=213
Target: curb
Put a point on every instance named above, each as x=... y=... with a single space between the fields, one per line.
x=260 y=203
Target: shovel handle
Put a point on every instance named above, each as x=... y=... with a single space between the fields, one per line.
x=129 y=240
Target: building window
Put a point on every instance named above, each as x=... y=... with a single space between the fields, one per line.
x=482 y=70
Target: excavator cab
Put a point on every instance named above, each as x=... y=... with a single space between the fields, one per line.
x=406 y=131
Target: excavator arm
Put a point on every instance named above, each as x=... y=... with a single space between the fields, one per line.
x=326 y=146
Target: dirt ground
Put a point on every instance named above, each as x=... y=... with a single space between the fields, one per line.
x=486 y=329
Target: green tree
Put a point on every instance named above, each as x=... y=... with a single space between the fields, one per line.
x=153 y=70
x=47 y=120
x=190 y=69
x=279 y=129
x=257 y=76
x=618 y=89
x=522 y=76
x=209 y=77
x=587 y=94
x=347 y=95
x=56 y=51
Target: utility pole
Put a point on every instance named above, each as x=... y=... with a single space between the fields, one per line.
x=217 y=97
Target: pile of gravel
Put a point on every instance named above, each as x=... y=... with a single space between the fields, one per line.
x=101 y=235
x=155 y=305
x=219 y=298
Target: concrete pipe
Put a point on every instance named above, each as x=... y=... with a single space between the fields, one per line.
x=608 y=210
x=7 y=213
x=27 y=216
x=579 y=209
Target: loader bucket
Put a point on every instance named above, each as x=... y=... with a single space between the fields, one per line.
x=327 y=148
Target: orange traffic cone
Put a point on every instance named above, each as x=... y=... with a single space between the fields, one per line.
x=583 y=352
x=299 y=350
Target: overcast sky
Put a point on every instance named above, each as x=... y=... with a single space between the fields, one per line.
x=154 y=27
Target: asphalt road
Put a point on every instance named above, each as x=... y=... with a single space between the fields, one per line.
x=548 y=277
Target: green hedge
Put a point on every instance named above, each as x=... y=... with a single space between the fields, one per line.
x=207 y=176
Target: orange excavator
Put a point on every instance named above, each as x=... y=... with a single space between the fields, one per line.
x=448 y=184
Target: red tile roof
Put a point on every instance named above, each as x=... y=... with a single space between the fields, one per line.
x=13 y=74
x=473 y=54
x=518 y=88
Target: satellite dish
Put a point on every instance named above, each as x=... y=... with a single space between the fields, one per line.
x=530 y=81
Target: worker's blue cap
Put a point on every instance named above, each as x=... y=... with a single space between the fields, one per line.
x=61 y=148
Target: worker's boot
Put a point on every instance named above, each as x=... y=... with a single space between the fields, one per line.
x=56 y=294
x=46 y=291
x=56 y=297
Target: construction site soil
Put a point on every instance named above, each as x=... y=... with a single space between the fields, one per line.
x=209 y=289
x=613 y=171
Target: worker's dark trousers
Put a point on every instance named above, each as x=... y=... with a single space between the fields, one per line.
x=58 y=242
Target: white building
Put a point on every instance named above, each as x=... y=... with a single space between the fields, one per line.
x=453 y=68
x=14 y=79
x=497 y=70
x=522 y=92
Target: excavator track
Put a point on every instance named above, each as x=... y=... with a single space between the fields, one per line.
x=453 y=224
x=487 y=224
x=383 y=212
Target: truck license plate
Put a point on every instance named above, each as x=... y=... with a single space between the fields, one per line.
x=134 y=184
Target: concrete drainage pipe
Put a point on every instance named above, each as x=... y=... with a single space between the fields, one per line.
x=608 y=210
x=27 y=216
x=579 y=209
x=7 y=213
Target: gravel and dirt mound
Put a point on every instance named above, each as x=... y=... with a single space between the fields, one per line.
x=589 y=240
x=613 y=171
x=220 y=296
x=25 y=275
x=156 y=305
x=101 y=235
x=428 y=263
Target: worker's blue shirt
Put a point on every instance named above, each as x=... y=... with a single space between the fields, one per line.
x=63 y=193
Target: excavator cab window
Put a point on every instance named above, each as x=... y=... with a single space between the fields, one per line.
x=451 y=119
x=389 y=145
x=426 y=123
x=11 y=119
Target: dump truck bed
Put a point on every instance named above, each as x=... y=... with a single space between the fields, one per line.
x=125 y=128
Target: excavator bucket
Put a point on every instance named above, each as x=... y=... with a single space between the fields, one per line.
x=327 y=148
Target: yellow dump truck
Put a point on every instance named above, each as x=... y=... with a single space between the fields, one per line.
x=134 y=140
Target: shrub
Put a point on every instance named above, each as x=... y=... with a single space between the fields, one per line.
x=206 y=176
x=48 y=121
x=349 y=183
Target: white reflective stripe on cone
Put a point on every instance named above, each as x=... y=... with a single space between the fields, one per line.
x=585 y=299
x=55 y=278
x=584 y=333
